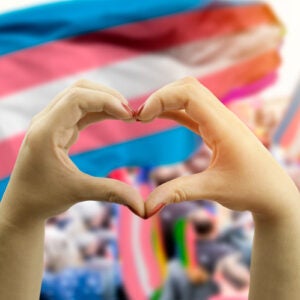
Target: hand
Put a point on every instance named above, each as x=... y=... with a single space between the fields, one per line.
x=242 y=175
x=45 y=182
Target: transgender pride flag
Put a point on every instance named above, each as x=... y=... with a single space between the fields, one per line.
x=135 y=47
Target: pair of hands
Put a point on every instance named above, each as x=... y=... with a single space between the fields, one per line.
x=242 y=174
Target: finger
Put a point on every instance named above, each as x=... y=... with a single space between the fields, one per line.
x=175 y=96
x=205 y=185
x=78 y=102
x=182 y=118
x=83 y=83
x=96 y=117
x=92 y=118
x=111 y=190
x=50 y=105
x=100 y=87
x=200 y=104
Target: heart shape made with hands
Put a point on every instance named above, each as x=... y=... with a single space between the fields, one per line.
x=240 y=170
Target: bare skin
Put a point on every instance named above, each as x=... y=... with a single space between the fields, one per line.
x=45 y=182
x=242 y=175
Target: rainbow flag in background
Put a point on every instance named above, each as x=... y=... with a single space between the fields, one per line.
x=135 y=47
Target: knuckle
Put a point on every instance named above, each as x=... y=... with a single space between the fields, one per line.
x=188 y=88
x=81 y=82
x=35 y=137
x=178 y=196
x=119 y=95
x=33 y=120
x=31 y=135
x=161 y=100
x=187 y=91
x=74 y=93
x=190 y=84
x=190 y=80
x=113 y=197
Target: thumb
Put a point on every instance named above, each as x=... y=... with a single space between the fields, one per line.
x=204 y=185
x=110 y=190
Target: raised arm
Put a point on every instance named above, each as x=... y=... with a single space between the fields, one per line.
x=242 y=176
x=45 y=182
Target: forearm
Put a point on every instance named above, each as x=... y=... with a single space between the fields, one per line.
x=275 y=265
x=21 y=257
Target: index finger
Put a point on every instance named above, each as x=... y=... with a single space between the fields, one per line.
x=215 y=122
x=79 y=102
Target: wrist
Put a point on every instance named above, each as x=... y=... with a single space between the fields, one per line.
x=281 y=209
x=11 y=216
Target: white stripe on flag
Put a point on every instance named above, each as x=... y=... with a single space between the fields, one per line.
x=7 y=6
x=143 y=74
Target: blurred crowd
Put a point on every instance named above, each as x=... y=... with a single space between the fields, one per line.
x=81 y=254
x=81 y=246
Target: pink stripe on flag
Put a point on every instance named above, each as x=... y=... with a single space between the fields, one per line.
x=38 y=65
x=252 y=88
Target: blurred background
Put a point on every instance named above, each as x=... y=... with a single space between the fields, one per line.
x=246 y=52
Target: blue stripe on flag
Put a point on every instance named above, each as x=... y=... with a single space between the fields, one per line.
x=44 y=23
x=162 y=148
x=3 y=184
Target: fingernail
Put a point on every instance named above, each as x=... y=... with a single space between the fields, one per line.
x=156 y=209
x=130 y=110
x=139 y=111
x=134 y=114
